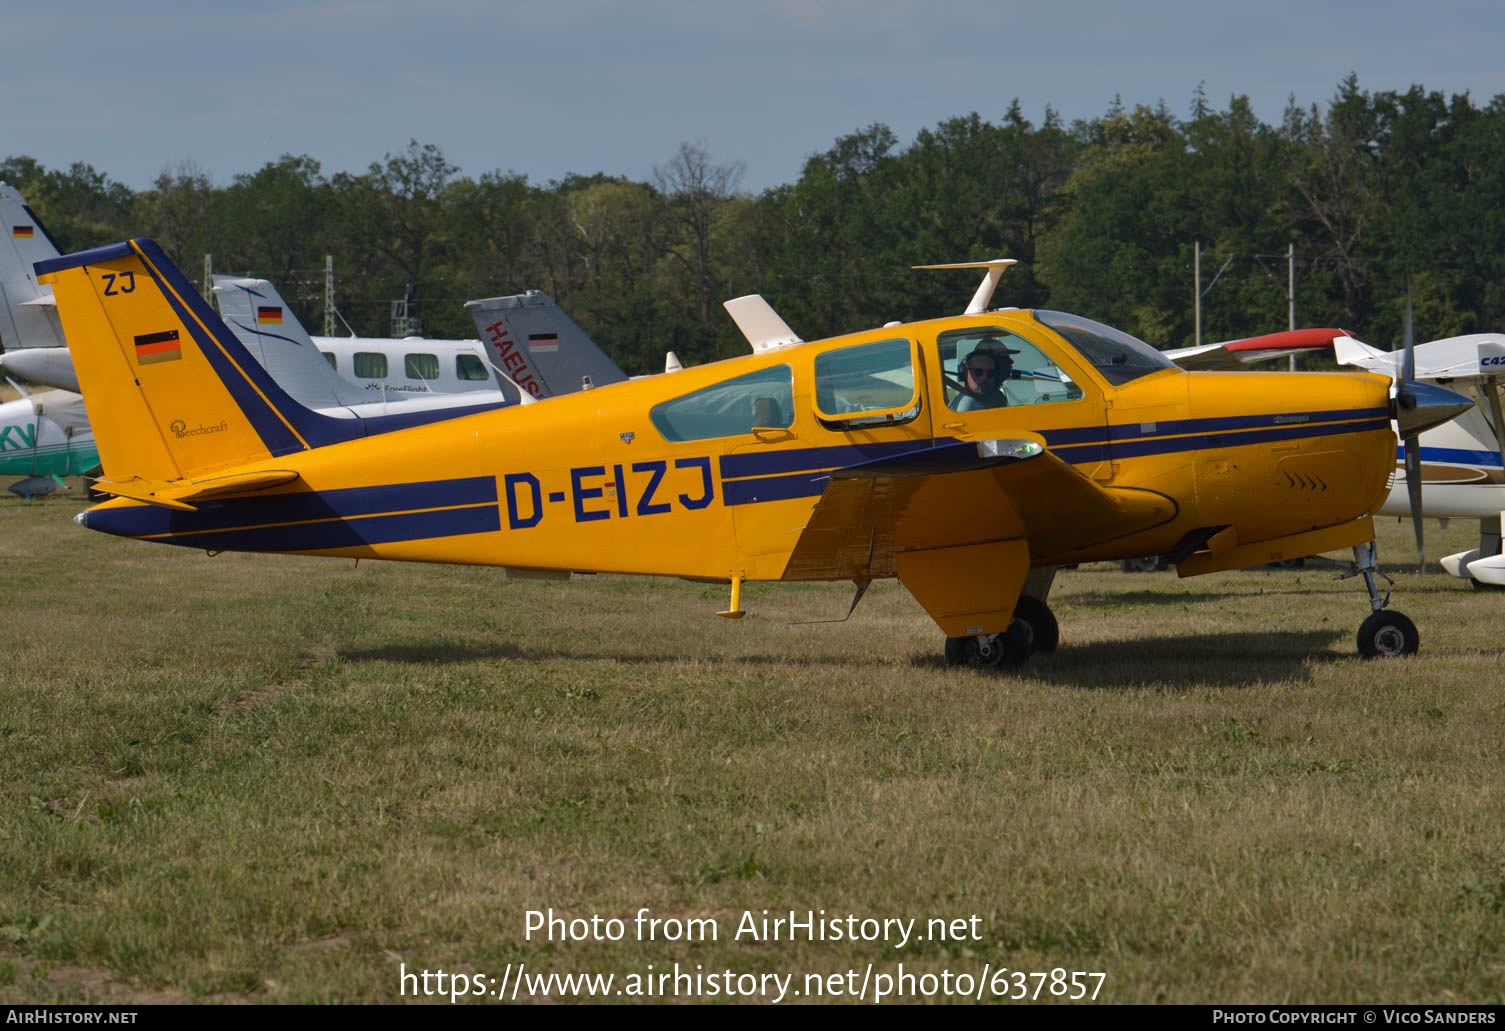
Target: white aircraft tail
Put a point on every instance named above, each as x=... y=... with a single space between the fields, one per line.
x=540 y=348
x=262 y=321
x=28 y=317
x=763 y=327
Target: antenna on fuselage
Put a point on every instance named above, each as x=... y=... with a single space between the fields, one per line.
x=984 y=294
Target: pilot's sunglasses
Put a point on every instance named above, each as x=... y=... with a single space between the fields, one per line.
x=980 y=372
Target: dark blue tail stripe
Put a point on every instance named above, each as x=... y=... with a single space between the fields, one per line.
x=349 y=503
x=348 y=533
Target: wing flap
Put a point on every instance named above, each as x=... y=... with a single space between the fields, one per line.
x=869 y=514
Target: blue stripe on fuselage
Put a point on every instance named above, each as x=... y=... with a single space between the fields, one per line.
x=310 y=520
x=755 y=477
x=1215 y=424
x=1453 y=455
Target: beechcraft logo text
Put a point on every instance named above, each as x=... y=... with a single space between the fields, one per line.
x=180 y=429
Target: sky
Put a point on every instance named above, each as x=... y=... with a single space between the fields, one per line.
x=555 y=87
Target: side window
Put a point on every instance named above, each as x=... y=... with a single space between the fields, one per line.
x=870 y=382
x=470 y=367
x=420 y=366
x=993 y=368
x=759 y=399
x=370 y=365
x=329 y=357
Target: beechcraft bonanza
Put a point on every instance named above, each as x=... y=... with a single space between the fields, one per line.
x=840 y=459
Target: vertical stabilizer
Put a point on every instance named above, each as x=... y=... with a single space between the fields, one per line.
x=267 y=327
x=538 y=346
x=27 y=315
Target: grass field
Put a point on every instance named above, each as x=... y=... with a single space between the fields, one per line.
x=275 y=779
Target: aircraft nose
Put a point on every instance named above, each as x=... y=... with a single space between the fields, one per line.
x=1419 y=406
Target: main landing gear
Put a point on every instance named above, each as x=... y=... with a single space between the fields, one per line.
x=1032 y=630
x=1383 y=634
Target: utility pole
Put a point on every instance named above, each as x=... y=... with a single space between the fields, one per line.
x=329 y=295
x=209 y=278
x=1196 y=289
x=1291 y=294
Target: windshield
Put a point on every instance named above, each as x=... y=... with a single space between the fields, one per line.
x=1112 y=352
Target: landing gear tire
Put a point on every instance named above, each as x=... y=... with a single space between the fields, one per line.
x=1480 y=585
x=1045 y=632
x=1147 y=564
x=1007 y=650
x=1387 y=634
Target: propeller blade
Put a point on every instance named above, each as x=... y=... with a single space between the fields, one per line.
x=1413 y=491
x=1408 y=360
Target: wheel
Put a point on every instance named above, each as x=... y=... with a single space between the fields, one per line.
x=1008 y=649
x=1388 y=634
x=1289 y=563
x=1147 y=564
x=961 y=651
x=1480 y=585
x=991 y=651
x=1045 y=632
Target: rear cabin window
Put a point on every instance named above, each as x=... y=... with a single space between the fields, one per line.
x=470 y=367
x=732 y=408
x=329 y=357
x=370 y=365
x=421 y=366
x=866 y=378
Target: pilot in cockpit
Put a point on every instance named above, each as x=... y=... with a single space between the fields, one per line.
x=983 y=374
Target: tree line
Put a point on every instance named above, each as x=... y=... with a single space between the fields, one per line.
x=1378 y=192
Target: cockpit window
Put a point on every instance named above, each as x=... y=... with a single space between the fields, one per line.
x=989 y=367
x=1112 y=352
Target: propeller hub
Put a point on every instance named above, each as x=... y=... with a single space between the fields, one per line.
x=1418 y=406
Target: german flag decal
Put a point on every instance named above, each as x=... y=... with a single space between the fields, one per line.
x=546 y=342
x=22 y=232
x=158 y=347
x=268 y=315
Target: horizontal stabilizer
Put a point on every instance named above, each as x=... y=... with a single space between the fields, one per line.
x=995 y=267
x=179 y=495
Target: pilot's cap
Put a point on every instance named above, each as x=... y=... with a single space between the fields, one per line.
x=994 y=346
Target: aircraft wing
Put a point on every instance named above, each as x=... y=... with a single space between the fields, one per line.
x=961 y=494
x=1464 y=360
x=1234 y=354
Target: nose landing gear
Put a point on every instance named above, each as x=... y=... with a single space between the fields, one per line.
x=1383 y=634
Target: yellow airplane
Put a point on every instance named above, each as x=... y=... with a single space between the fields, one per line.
x=874 y=454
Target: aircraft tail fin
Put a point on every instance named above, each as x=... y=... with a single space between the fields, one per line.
x=763 y=327
x=267 y=327
x=185 y=397
x=538 y=346
x=27 y=316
